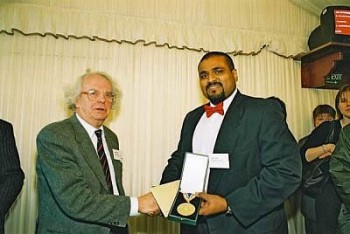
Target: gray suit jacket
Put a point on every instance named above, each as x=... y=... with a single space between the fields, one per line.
x=265 y=165
x=73 y=193
x=11 y=174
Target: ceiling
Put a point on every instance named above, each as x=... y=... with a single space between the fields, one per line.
x=316 y=6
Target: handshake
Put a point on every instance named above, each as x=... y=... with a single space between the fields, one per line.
x=159 y=200
x=210 y=204
x=148 y=205
x=182 y=202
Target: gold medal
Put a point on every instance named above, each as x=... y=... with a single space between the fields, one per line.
x=186 y=209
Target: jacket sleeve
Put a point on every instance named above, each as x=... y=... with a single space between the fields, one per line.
x=339 y=166
x=278 y=166
x=11 y=174
x=173 y=169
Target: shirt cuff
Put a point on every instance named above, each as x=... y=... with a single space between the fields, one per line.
x=229 y=211
x=134 y=206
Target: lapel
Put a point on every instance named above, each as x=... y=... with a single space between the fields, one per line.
x=190 y=127
x=226 y=139
x=88 y=150
x=117 y=165
x=111 y=145
x=232 y=119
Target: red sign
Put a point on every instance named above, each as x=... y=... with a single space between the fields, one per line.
x=342 y=22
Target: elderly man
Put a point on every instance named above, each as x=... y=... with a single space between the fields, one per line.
x=79 y=167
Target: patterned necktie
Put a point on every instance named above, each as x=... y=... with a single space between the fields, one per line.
x=216 y=109
x=103 y=159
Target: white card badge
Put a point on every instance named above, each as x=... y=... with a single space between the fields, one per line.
x=219 y=161
x=117 y=155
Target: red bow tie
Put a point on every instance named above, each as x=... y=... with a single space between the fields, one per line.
x=211 y=110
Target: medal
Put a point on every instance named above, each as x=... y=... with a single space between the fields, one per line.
x=186 y=208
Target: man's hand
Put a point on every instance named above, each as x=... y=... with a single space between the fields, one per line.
x=212 y=204
x=148 y=205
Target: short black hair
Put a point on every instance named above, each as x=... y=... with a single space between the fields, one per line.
x=227 y=57
x=323 y=109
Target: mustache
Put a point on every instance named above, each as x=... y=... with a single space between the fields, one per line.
x=212 y=84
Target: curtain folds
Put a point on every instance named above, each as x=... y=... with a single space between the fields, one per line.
x=152 y=49
x=160 y=86
x=237 y=27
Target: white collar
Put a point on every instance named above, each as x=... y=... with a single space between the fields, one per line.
x=89 y=128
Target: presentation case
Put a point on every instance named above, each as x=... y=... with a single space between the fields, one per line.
x=194 y=175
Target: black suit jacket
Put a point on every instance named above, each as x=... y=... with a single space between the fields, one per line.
x=265 y=165
x=11 y=174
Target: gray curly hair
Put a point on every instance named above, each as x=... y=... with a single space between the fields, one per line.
x=73 y=92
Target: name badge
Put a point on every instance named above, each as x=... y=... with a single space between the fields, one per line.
x=219 y=161
x=117 y=155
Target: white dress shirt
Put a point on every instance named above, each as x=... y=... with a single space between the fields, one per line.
x=206 y=132
x=207 y=129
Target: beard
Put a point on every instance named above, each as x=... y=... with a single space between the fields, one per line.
x=218 y=97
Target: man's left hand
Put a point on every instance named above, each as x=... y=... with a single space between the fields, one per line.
x=212 y=204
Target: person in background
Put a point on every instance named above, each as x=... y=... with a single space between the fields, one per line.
x=320 y=114
x=296 y=222
x=262 y=154
x=321 y=211
x=11 y=174
x=339 y=168
x=79 y=166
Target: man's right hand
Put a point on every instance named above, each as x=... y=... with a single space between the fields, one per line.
x=148 y=205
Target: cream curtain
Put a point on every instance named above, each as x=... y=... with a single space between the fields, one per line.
x=233 y=26
x=152 y=49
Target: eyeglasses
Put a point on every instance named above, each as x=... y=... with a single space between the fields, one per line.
x=94 y=95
